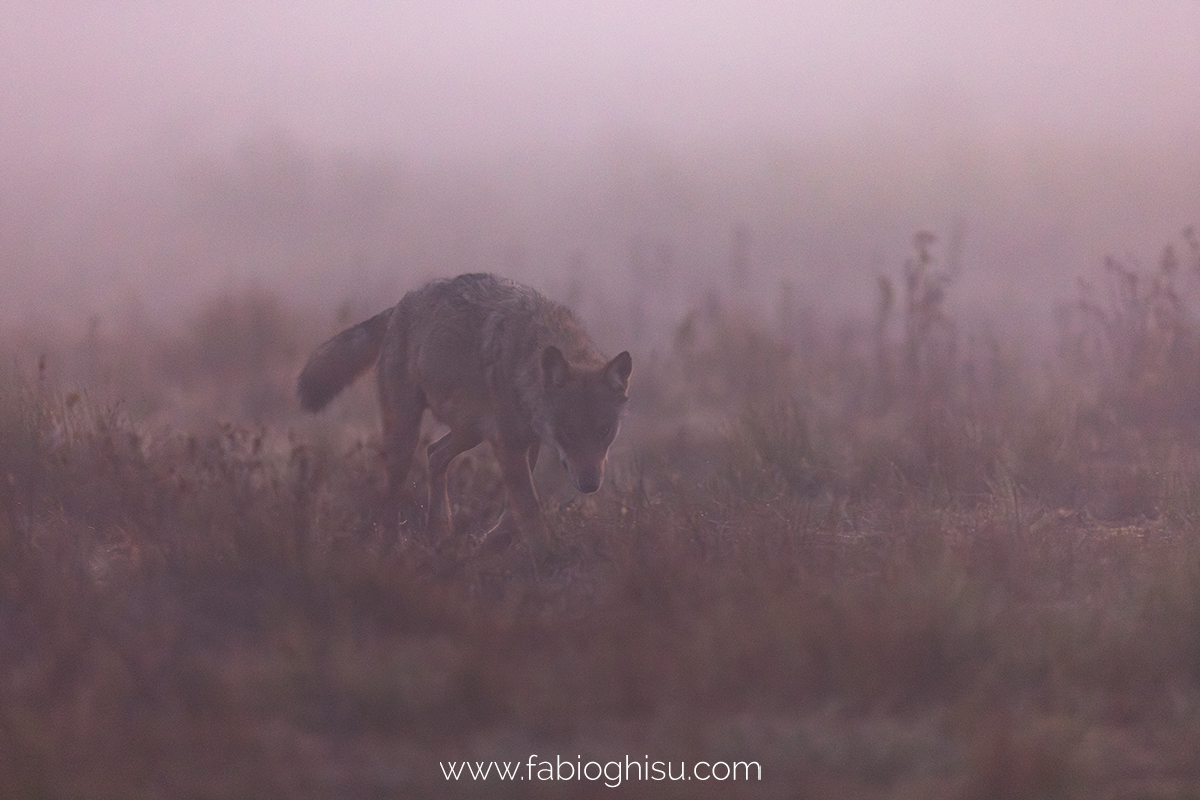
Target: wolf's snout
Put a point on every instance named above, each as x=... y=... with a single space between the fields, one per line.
x=586 y=479
x=589 y=478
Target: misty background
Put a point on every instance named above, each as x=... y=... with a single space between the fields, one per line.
x=629 y=157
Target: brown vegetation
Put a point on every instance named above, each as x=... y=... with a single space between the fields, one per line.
x=880 y=564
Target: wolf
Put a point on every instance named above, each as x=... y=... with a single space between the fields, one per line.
x=494 y=361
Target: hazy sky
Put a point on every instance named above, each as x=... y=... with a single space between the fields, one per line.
x=1055 y=132
x=442 y=77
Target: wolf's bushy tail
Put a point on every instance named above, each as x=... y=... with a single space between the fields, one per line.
x=336 y=364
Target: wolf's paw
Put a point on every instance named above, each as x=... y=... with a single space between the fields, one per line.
x=500 y=537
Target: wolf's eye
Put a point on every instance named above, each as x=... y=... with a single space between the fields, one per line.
x=607 y=431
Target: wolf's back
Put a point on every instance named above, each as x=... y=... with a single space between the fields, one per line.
x=336 y=364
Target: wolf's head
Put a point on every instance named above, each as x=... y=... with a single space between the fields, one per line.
x=583 y=413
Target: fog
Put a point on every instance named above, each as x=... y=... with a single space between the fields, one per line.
x=153 y=154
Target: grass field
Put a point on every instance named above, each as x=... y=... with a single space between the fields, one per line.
x=890 y=558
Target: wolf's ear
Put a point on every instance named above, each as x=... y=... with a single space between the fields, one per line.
x=616 y=372
x=555 y=369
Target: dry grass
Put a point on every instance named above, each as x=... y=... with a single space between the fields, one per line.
x=903 y=566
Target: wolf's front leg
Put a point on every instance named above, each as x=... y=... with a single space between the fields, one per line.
x=523 y=517
x=441 y=453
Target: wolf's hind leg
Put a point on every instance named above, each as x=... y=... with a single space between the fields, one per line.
x=441 y=453
x=401 y=405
